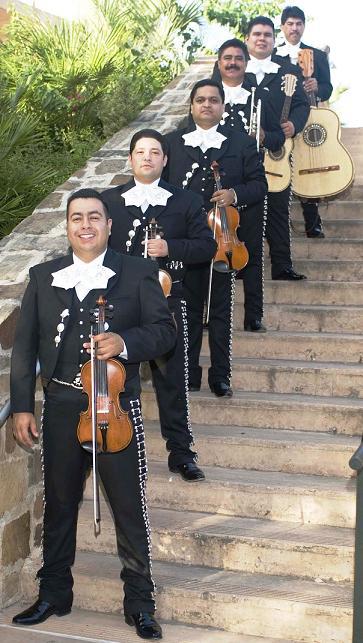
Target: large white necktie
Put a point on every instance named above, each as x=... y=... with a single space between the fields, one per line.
x=289 y=50
x=82 y=277
x=261 y=67
x=204 y=138
x=144 y=194
x=235 y=95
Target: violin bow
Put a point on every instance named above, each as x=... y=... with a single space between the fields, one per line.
x=96 y=490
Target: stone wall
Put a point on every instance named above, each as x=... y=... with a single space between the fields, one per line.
x=39 y=238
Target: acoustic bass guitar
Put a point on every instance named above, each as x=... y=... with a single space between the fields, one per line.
x=322 y=165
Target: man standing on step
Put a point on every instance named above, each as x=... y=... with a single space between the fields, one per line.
x=183 y=238
x=293 y=27
x=54 y=325
x=191 y=152
x=232 y=61
x=265 y=72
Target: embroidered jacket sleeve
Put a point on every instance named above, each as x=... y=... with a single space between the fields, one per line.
x=198 y=244
x=322 y=75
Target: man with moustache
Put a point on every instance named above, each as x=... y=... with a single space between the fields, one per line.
x=265 y=71
x=54 y=324
x=293 y=27
x=230 y=70
x=186 y=239
x=191 y=152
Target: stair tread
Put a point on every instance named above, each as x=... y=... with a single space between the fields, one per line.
x=269 y=481
x=84 y=625
x=240 y=434
x=239 y=397
x=295 y=364
x=255 y=530
x=175 y=578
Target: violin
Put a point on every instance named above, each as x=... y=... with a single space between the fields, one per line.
x=232 y=254
x=104 y=425
x=154 y=231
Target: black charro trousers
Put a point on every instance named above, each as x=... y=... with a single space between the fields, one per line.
x=123 y=476
x=170 y=380
x=278 y=231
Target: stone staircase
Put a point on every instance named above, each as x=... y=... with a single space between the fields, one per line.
x=263 y=550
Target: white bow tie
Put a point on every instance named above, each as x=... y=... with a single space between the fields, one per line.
x=143 y=195
x=262 y=67
x=205 y=139
x=289 y=50
x=83 y=279
x=236 y=95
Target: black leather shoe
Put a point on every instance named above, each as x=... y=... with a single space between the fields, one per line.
x=146 y=626
x=288 y=274
x=315 y=233
x=39 y=612
x=188 y=471
x=255 y=326
x=221 y=389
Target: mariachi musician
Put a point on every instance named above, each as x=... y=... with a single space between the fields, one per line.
x=244 y=114
x=293 y=27
x=191 y=153
x=54 y=324
x=147 y=204
x=265 y=72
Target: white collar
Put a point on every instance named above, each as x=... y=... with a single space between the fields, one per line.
x=235 y=95
x=83 y=276
x=261 y=67
x=144 y=194
x=204 y=138
x=287 y=49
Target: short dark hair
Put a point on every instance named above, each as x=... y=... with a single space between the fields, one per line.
x=292 y=12
x=88 y=193
x=233 y=42
x=149 y=133
x=260 y=20
x=207 y=82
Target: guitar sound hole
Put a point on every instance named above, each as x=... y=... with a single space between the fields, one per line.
x=277 y=156
x=315 y=135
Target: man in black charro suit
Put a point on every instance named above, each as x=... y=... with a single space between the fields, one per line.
x=191 y=152
x=186 y=239
x=54 y=324
x=293 y=27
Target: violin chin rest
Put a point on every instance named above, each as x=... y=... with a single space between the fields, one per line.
x=221 y=266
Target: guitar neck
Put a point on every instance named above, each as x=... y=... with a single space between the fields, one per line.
x=286 y=109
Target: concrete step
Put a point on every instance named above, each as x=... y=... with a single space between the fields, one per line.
x=247 y=604
x=91 y=626
x=332 y=347
x=344 y=229
x=312 y=318
x=327 y=293
x=331 y=270
x=264 y=449
x=293 y=376
x=304 y=499
x=333 y=248
x=234 y=544
x=270 y=410
x=337 y=211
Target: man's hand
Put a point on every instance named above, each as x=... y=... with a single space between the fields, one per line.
x=25 y=429
x=223 y=197
x=288 y=129
x=108 y=345
x=311 y=85
x=157 y=248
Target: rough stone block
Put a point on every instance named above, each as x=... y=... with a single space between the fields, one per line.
x=35 y=474
x=108 y=167
x=9 y=316
x=11 y=587
x=39 y=222
x=38 y=506
x=53 y=200
x=12 y=484
x=15 y=542
x=38 y=535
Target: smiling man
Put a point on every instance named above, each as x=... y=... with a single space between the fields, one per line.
x=54 y=325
